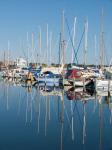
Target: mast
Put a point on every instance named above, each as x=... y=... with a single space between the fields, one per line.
x=95 y=51
x=74 y=35
x=32 y=46
x=85 y=43
x=60 y=48
x=47 y=45
x=27 y=50
x=102 y=46
x=62 y=42
x=40 y=46
x=8 y=52
x=4 y=59
x=50 y=41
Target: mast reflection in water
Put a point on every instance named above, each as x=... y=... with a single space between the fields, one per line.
x=53 y=118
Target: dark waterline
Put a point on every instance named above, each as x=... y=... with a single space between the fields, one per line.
x=35 y=119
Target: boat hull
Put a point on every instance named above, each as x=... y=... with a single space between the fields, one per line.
x=77 y=83
x=48 y=81
x=105 y=85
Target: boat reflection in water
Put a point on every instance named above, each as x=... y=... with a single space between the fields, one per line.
x=55 y=118
x=80 y=94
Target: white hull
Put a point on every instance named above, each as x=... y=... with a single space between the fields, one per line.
x=48 y=81
x=81 y=83
x=76 y=83
x=105 y=85
x=78 y=89
x=103 y=93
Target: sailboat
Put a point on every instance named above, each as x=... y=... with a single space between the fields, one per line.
x=102 y=83
x=49 y=76
x=75 y=75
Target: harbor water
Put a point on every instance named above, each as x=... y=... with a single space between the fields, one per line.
x=52 y=118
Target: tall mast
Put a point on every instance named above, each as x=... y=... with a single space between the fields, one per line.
x=62 y=41
x=4 y=59
x=85 y=43
x=102 y=41
x=27 y=50
x=8 y=51
x=32 y=46
x=95 y=50
x=40 y=46
x=74 y=35
x=50 y=48
x=47 y=45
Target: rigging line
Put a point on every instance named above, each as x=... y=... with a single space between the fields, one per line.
x=80 y=43
x=71 y=40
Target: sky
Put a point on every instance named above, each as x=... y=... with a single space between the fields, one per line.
x=19 y=17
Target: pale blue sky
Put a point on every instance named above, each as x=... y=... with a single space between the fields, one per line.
x=17 y=17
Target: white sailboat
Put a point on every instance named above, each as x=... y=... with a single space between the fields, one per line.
x=102 y=83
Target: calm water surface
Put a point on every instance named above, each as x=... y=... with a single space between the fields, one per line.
x=33 y=118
